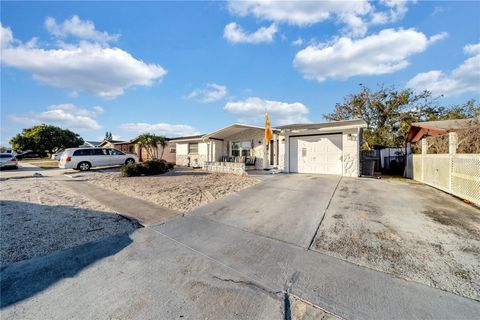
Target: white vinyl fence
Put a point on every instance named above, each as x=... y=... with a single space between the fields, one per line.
x=458 y=174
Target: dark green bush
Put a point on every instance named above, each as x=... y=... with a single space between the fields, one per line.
x=170 y=165
x=131 y=170
x=147 y=168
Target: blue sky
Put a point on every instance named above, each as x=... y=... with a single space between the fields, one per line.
x=180 y=68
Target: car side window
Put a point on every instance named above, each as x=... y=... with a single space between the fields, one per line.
x=115 y=152
x=83 y=152
x=100 y=152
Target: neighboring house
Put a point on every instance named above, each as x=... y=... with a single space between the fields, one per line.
x=110 y=143
x=326 y=148
x=133 y=146
x=90 y=144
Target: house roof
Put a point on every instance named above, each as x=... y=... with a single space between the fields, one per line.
x=358 y=123
x=231 y=130
x=110 y=141
x=418 y=130
x=187 y=138
x=95 y=143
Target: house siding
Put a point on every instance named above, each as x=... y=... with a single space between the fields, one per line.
x=183 y=158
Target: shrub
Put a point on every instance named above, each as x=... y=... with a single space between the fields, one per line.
x=147 y=168
x=170 y=166
x=153 y=167
x=131 y=170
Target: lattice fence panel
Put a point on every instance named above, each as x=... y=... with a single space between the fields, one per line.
x=437 y=170
x=466 y=176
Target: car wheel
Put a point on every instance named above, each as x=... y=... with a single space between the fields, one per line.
x=84 y=166
x=129 y=161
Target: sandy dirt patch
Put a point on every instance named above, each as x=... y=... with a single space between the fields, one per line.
x=407 y=229
x=181 y=190
x=38 y=216
x=301 y=310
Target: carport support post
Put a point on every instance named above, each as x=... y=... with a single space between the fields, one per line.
x=452 y=151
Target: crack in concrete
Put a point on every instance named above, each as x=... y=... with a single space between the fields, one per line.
x=273 y=294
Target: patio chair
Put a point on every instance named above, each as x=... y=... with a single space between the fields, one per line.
x=250 y=162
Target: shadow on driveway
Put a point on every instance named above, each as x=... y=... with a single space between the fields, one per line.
x=34 y=239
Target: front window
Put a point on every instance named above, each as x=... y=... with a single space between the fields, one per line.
x=193 y=148
x=241 y=148
x=173 y=148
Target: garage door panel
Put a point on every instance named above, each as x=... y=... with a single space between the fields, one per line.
x=316 y=154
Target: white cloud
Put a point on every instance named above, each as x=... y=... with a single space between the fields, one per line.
x=382 y=53
x=82 y=29
x=166 y=129
x=396 y=10
x=84 y=66
x=66 y=116
x=6 y=36
x=211 y=93
x=355 y=15
x=297 y=42
x=463 y=79
x=235 y=34
x=252 y=110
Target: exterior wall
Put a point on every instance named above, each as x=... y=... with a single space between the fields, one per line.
x=183 y=158
x=350 y=153
x=281 y=152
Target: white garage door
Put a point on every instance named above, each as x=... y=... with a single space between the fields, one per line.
x=316 y=154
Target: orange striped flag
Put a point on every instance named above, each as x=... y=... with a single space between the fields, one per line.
x=268 y=129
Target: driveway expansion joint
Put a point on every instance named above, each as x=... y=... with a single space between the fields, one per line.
x=324 y=214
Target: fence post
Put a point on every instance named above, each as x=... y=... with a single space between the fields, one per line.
x=452 y=151
x=424 y=153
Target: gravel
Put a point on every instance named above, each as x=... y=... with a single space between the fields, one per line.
x=181 y=190
x=407 y=229
x=38 y=216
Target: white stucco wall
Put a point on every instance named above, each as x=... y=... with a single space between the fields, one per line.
x=350 y=153
x=183 y=158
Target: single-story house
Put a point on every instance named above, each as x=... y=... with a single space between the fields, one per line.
x=110 y=143
x=325 y=148
x=133 y=146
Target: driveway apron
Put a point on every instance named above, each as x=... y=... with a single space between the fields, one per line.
x=285 y=207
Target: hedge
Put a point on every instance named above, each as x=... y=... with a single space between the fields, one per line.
x=147 y=168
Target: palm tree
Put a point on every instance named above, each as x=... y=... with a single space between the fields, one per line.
x=151 y=142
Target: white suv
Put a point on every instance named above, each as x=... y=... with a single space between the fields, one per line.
x=85 y=158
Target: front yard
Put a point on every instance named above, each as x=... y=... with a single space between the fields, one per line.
x=181 y=190
x=38 y=216
x=408 y=229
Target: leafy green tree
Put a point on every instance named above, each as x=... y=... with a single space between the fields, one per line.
x=45 y=138
x=151 y=142
x=389 y=112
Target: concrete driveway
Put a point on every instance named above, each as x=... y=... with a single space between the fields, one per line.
x=283 y=207
x=243 y=257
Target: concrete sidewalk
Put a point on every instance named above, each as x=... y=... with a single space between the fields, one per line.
x=348 y=290
x=144 y=212
x=139 y=276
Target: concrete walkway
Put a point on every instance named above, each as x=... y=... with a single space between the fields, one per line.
x=144 y=212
